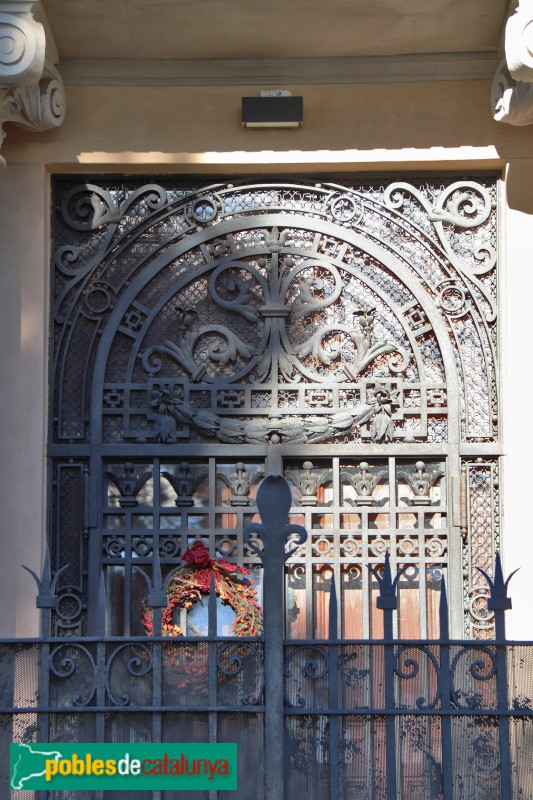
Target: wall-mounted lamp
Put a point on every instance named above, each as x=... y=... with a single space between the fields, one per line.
x=275 y=108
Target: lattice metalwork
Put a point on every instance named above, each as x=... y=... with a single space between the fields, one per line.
x=169 y=504
x=355 y=513
x=69 y=552
x=198 y=326
x=481 y=540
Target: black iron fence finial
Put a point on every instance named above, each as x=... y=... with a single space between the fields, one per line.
x=499 y=599
x=46 y=585
x=387 y=599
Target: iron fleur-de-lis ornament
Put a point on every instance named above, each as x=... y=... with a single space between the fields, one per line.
x=129 y=484
x=421 y=482
x=364 y=480
x=308 y=480
x=240 y=481
x=184 y=482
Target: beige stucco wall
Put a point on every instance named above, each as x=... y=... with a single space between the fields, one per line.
x=370 y=127
x=23 y=325
x=373 y=126
x=517 y=382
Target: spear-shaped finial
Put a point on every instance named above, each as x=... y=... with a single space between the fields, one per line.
x=157 y=597
x=443 y=610
x=387 y=587
x=498 y=600
x=46 y=597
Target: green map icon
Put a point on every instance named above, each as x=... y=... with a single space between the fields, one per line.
x=28 y=761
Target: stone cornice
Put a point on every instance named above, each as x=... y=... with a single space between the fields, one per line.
x=32 y=94
x=278 y=71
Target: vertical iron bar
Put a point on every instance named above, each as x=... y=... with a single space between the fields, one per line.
x=273 y=503
x=333 y=698
x=44 y=697
x=101 y=668
x=390 y=722
x=445 y=696
x=100 y=677
x=274 y=684
x=212 y=667
x=45 y=601
x=503 y=705
x=499 y=603
x=311 y=596
x=387 y=601
x=159 y=600
x=86 y=503
x=94 y=547
x=128 y=567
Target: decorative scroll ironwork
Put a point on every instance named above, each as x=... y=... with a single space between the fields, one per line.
x=328 y=320
x=444 y=718
x=273 y=288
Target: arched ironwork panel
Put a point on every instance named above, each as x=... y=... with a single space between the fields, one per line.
x=343 y=334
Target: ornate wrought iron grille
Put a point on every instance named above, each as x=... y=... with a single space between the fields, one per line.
x=343 y=334
x=326 y=718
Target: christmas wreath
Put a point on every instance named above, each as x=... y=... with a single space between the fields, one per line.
x=233 y=584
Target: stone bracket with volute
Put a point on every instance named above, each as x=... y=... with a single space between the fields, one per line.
x=512 y=87
x=32 y=94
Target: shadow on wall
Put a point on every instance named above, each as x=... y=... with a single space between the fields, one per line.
x=519 y=185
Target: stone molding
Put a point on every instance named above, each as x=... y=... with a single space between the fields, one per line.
x=278 y=71
x=32 y=94
x=512 y=87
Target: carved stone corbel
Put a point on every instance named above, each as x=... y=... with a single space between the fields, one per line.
x=31 y=90
x=512 y=101
x=39 y=107
x=519 y=42
x=22 y=44
x=512 y=87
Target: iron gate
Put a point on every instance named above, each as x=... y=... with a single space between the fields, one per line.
x=324 y=719
x=342 y=334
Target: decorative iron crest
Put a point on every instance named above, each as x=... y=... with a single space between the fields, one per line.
x=276 y=312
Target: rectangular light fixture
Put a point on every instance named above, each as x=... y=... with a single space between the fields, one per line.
x=272 y=112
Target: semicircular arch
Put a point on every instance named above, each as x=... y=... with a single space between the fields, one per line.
x=298 y=300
